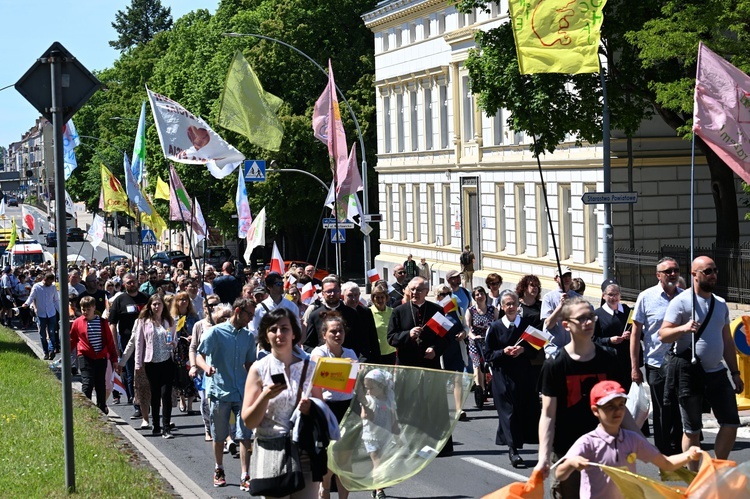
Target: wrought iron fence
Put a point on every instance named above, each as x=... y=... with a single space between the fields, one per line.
x=635 y=269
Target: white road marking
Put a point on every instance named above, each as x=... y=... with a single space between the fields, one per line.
x=496 y=469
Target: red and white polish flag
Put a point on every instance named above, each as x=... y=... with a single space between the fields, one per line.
x=277 y=262
x=440 y=324
x=373 y=275
x=308 y=293
x=118 y=385
x=535 y=337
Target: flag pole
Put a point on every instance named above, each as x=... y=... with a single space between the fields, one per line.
x=608 y=235
x=693 y=360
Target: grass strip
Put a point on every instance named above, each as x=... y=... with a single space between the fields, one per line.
x=32 y=463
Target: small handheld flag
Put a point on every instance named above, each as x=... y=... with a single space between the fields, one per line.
x=308 y=293
x=335 y=374
x=277 y=263
x=440 y=324
x=449 y=304
x=118 y=385
x=535 y=337
x=373 y=276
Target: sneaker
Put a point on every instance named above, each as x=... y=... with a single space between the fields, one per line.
x=46 y=356
x=51 y=355
x=136 y=415
x=219 y=478
x=167 y=434
x=245 y=483
x=232 y=448
x=116 y=400
x=145 y=425
x=156 y=431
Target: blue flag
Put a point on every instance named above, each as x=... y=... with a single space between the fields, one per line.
x=131 y=187
x=70 y=141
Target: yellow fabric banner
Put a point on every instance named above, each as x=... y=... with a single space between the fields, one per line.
x=162 y=189
x=634 y=485
x=114 y=195
x=335 y=374
x=557 y=36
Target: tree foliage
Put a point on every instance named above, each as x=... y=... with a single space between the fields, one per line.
x=650 y=50
x=140 y=22
x=189 y=64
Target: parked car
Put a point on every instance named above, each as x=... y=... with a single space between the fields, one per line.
x=75 y=234
x=114 y=260
x=217 y=255
x=170 y=258
x=50 y=239
x=12 y=200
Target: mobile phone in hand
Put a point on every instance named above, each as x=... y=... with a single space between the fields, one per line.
x=278 y=379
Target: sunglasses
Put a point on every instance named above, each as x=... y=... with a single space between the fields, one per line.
x=670 y=271
x=709 y=271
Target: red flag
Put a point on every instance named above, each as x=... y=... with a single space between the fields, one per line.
x=308 y=293
x=28 y=219
x=535 y=337
x=440 y=324
x=372 y=275
x=277 y=263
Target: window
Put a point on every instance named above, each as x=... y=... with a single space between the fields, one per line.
x=389 y=210
x=542 y=233
x=412 y=33
x=385 y=38
x=500 y=216
x=426 y=28
x=402 y=212
x=387 y=123
x=497 y=128
x=520 y=235
x=400 y=121
x=447 y=215
x=565 y=220
x=441 y=24
x=416 y=209
x=430 y=214
x=444 y=140
x=428 y=119
x=468 y=109
x=398 y=36
x=413 y=120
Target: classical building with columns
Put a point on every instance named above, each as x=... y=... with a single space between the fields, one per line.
x=450 y=176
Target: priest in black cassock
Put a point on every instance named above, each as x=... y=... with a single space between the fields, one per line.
x=513 y=387
x=420 y=346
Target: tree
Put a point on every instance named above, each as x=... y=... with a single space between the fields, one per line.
x=140 y=22
x=650 y=49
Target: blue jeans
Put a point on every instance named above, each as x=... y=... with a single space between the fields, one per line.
x=47 y=327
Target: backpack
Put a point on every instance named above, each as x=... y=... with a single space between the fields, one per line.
x=465 y=258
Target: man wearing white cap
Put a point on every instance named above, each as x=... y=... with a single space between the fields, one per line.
x=552 y=305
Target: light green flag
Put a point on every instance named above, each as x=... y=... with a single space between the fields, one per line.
x=247 y=109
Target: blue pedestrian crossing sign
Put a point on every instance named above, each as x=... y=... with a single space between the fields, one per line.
x=255 y=170
x=339 y=236
x=148 y=238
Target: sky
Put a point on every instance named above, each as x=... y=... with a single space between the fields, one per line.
x=84 y=27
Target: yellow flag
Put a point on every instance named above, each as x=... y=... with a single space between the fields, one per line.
x=114 y=196
x=13 y=235
x=249 y=110
x=162 y=189
x=155 y=221
x=634 y=485
x=557 y=36
x=335 y=374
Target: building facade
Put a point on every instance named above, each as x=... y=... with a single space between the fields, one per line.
x=450 y=176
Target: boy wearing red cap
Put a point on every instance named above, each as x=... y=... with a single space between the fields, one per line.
x=611 y=445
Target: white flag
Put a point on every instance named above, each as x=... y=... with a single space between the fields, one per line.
x=96 y=231
x=69 y=207
x=256 y=236
x=186 y=138
x=244 y=217
x=2 y=206
x=70 y=141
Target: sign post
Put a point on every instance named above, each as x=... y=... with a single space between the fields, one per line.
x=57 y=85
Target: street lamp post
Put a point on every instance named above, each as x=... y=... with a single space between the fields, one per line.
x=365 y=197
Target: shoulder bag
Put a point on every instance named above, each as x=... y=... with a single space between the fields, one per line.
x=275 y=467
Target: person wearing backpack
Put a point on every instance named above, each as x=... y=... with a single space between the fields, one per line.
x=467 y=267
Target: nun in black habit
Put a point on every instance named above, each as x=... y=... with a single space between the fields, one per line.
x=513 y=388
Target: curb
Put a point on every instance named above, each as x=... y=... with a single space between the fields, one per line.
x=180 y=482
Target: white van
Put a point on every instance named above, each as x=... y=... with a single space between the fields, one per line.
x=26 y=251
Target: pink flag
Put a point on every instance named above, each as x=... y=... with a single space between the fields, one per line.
x=721 y=115
x=329 y=129
x=277 y=263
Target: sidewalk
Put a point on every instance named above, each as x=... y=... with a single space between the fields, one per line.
x=183 y=485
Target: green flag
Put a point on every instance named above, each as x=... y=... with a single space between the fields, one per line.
x=13 y=235
x=247 y=109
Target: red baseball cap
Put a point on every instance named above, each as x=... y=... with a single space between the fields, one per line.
x=604 y=391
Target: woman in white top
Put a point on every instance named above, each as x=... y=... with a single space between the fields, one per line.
x=154 y=343
x=334 y=331
x=267 y=407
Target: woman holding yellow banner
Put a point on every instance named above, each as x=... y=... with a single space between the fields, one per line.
x=334 y=332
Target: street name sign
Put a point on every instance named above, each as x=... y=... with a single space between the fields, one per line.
x=330 y=223
x=609 y=198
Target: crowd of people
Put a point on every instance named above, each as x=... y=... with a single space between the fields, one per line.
x=181 y=338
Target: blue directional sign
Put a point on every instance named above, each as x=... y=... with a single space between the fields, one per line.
x=255 y=170
x=339 y=236
x=148 y=238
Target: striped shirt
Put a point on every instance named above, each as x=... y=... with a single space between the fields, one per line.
x=94 y=332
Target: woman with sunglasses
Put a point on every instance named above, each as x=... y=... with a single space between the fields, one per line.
x=155 y=340
x=294 y=295
x=493 y=282
x=478 y=319
x=381 y=312
x=185 y=317
x=212 y=315
x=529 y=289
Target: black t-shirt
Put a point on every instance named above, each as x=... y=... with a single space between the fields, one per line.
x=228 y=287
x=571 y=382
x=124 y=310
x=100 y=299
